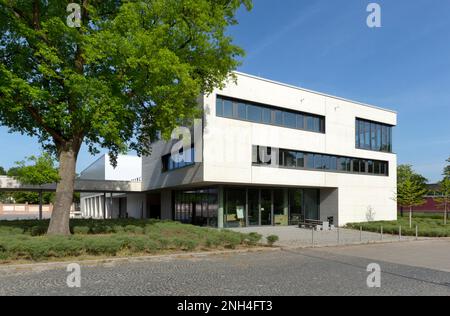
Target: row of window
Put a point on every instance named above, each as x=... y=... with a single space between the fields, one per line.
x=258 y=113
x=373 y=136
x=182 y=160
x=304 y=160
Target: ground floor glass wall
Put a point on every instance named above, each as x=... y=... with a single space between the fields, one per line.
x=264 y=207
x=197 y=207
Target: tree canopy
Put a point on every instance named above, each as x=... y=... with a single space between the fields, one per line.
x=411 y=188
x=132 y=70
x=447 y=170
x=2 y=171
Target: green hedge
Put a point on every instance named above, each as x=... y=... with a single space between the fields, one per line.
x=23 y=240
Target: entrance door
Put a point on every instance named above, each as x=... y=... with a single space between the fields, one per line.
x=266 y=207
x=253 y=207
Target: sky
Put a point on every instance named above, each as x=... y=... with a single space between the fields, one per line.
x=327 y=46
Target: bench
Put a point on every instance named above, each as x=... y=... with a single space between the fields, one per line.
x=315 y=224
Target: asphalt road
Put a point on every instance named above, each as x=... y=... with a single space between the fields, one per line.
x=326 y=271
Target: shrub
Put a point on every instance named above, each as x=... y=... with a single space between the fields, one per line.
x=272 y=239
x=118 y=229
x=38 y=230
x=253 y=239
x=134 y=229
x=231 y=240
x=81 y=230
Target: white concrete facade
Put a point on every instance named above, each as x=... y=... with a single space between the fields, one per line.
x=226 y=149
x=108 y=204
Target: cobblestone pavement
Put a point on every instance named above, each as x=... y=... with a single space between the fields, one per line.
x=284 y=272
x=293 y=236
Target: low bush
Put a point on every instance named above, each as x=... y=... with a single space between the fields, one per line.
x=81 y=230
x=272 y=239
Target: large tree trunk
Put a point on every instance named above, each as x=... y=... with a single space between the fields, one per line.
x=59 y=223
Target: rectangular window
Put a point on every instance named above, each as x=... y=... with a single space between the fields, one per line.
x=254 y=114
x=290 y=159
x=356 y=165
x=300 y=160
x=373 y=136
x=290 y=120
x=228 y=109
x=242 y=111
x=362 y=167
x=309 y=161
x=265 y=114
x=219 y=107
x=278 y=118
x=300 y=121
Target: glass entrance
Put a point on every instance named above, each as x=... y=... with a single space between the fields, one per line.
x=253 y=207
x=266 y=207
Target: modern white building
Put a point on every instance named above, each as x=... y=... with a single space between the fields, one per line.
x=267 y=153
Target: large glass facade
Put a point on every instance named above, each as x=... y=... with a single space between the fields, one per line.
x=266 y=207
x=197 y=207
x=266 y=114
x=314 y=161
x=373 y=136
x=183 y=159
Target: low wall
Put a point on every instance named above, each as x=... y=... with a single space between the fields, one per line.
x=11 y=209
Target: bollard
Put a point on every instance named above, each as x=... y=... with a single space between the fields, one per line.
x=360 y=234
x=400 y=233
x=338 y=236
x=312 y=239
x=417 y=232
x=382 y=233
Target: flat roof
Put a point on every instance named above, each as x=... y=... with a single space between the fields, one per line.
x=312 y=91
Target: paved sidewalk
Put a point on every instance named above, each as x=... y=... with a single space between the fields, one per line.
x=292 y=236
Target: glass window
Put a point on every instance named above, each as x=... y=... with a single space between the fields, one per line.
x=235 y=204
x=290 y=120
x=278 y=118
x=254 y=113
x=318 y=162
x=219 y=107
x=333 y=163
x=378 y=141
x=357 y=134
x=228 y=109
x=316 y=124
x=290 y=159
x=373 y=136
x=300 y=121
x=362 y=167
x=267 y=116
x=367 y=135
x=309 y=161
x=322 y=125
x=310 y=123
x=356 y=165
x=370 y=166
x=300 y=160
x=376 y=168
x=362 y=139
x=242 y=111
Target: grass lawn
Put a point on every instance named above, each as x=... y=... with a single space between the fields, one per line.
x=430 y=225
x=25 y=241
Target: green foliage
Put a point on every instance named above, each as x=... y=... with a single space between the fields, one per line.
x=443 y=200
x=81 y=230
x=133 y=68
x=429 y=226
x=2 y=171
x=447 y=170
x=272 y=239
x=24 y=240
x=405 y=172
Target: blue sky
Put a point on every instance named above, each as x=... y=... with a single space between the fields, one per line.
x=326 y=46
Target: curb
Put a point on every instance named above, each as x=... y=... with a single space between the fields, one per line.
x=110 y=262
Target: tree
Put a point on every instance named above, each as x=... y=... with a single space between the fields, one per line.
x=447 y=170
x=2 y=171
x=36 y=171
x=405 y=172
x=132 y=70
x=443 y=199
x=411 y=193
